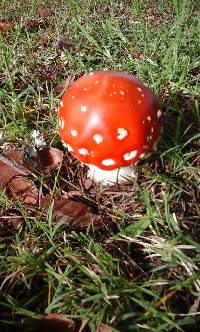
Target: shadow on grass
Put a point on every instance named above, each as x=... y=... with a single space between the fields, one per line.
x=181 y=120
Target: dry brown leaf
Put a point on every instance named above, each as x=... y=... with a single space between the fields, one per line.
x=76 y=214
x=23 y=189
x=49 y=159
x=5 y=26
x=15 y=166
x=9 y=168
x=16 y=154
x=13 y=175
x=46 y=159
x=56 y=323
x=72 y=212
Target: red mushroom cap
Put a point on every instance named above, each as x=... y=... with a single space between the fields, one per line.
x=109 y=119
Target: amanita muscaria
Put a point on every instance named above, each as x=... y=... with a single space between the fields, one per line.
x=109 y=121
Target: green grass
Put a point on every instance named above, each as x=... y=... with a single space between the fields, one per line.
x=140 y=271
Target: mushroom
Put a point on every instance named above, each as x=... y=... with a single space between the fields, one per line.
x=109 y=121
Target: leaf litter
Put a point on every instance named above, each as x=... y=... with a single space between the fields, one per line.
x=19 y=170
x=39 y=20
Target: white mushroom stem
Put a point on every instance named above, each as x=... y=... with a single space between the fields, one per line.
x=119 y=175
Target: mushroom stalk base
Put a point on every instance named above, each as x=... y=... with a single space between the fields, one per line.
x=119 y=175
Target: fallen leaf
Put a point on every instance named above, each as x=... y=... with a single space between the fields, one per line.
x=46 y=159
x=23 y=189
x=9 y=168
x=73 y=213
x=49 y=159
x=17 y=164
x=5 y=26
x=56 y=322
x=13 y=175
x=15 y=154
x=76 y=214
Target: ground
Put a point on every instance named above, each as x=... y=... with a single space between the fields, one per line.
x=120 y=258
